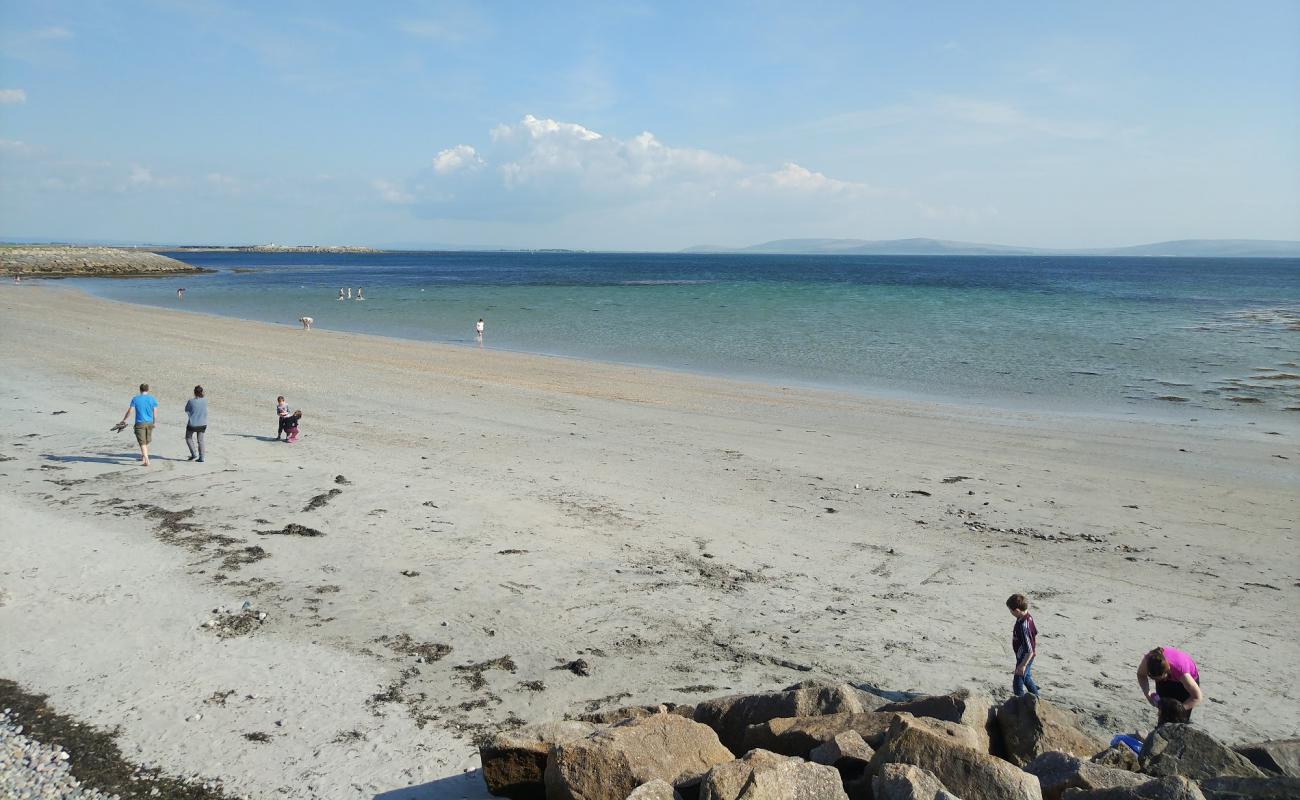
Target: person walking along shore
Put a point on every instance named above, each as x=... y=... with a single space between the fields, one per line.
x=145 y=407
x=196 y=423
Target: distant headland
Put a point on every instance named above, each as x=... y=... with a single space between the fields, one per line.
x=1181 y=248
x=264 y=248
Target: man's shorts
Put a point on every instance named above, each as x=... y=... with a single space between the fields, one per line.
x=144 y=433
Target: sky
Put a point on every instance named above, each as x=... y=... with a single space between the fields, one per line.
x=648 y=126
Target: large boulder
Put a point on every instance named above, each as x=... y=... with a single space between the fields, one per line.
x=730 y=716
x=655 y=790
x=1057 y=772
x=1118 y=756
x=1182 y=749
x=1031 y=726
x=965 y=771
x=906 y=782
x=1273 y=788
x=964 y=706
x=847 y=752
x=797 y=736
x=610 y=763
x=762 y=775
x=1278 y=757
x=1170 y=787
x=610 y=716
x=514 y=762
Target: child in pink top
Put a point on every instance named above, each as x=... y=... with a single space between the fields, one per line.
x=1175 y=675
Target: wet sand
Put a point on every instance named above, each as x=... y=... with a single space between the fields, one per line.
x=486 y=519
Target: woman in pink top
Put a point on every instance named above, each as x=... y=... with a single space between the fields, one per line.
x=1175 y=675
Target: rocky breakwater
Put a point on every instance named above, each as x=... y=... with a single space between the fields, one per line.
x=88 y=262
x=837 y=742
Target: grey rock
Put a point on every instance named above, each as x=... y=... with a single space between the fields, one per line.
x=908 y=782
x=514 y=762
x=847 y=752
x=1186 y=750
x=964 y=771
x=1277 y=757
x=965 y=706
x=731 y=716
x=762 y=775
x=612 y=762
x=1272 y=788
x=1118 y=756
x=1057 y=772
x=797 y=736
x=655 y=790
x=1171 y=787
x=1031 y=726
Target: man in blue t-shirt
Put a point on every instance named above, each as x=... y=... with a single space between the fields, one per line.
x=145 y=407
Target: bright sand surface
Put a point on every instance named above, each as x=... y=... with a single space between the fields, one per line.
x=685 y=536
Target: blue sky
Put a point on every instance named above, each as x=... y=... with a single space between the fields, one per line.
x=648 y=125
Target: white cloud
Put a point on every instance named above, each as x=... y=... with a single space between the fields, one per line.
x=13 y=147
x=1015 y=121
x=220 y=179
x=54 y=32
x=455 y=159
x=12 y=96
x=139 y=176
x=453 y=26
x=142 y=177
x=545 y=169
x=793 y=177
x=391 y=192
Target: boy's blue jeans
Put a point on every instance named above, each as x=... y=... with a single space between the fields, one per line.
x=1020 y=683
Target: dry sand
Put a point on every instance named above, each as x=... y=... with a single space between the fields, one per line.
x=500 y=516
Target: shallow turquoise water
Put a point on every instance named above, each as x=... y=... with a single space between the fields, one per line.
x=1210 y=336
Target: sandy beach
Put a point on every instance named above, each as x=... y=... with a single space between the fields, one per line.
x=507 y=538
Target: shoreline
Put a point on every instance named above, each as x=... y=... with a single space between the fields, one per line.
x=1167 y=414
x=685 y=536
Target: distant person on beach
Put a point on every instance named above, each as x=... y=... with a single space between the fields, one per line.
x=281 y=411
x=1024 y=643
x=291 y=426
x=1176 y=678
x=180 y=294
x=478 y=328
x=349 y=292
x=196 y=423
x=145 y=407
x=340 y=292
x=359 y=295
x=306 y=322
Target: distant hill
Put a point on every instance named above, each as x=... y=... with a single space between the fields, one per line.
x=1183 y=248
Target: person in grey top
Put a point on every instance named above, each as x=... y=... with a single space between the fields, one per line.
x=196 y=410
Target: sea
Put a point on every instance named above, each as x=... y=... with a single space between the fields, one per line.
x=1168 y=337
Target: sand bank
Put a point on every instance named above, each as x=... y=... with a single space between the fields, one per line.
x=488 y=518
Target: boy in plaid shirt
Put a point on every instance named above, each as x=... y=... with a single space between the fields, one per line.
x=1024 y=642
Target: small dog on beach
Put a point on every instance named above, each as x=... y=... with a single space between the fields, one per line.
x=306 y=322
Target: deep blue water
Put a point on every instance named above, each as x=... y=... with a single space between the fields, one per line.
x=1071 y=333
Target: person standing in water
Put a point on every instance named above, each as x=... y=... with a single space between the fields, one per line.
x=340 y=292
x=196 y=423
x=478 y=330
x=145 y=407
x=180 y=293
x=359 y=295
x=349 y=292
